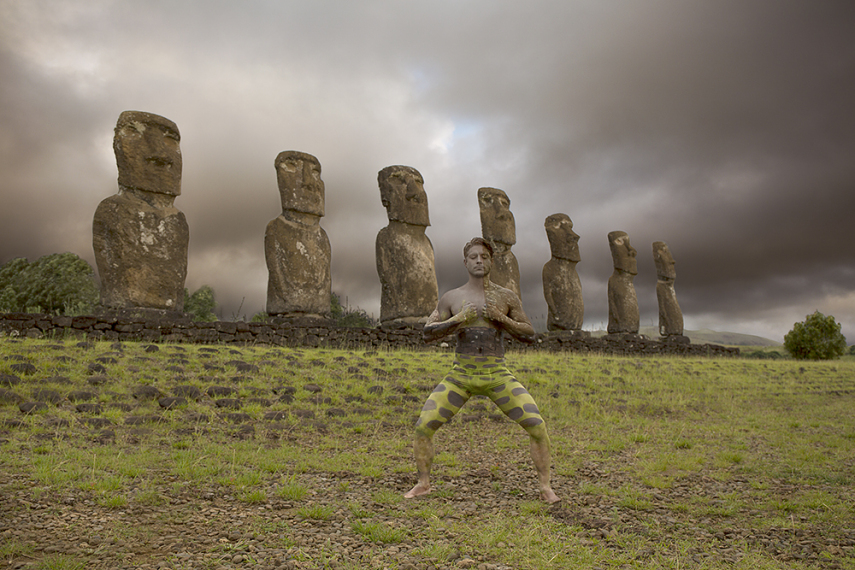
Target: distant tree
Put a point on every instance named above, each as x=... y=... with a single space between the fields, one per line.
x=201 y=304
x=59 y=283
x=346 y=317
x=818 y=337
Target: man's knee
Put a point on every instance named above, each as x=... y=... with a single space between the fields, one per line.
x=536 y=429
x=425 y=428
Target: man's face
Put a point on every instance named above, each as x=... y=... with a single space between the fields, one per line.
x=623 y=255
x=147 y=154
x=562 y=239
x=497 y=221
x=405 y=199
x=300 y=184
x=478 y=261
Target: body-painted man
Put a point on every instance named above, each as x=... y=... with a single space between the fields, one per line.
x=479 y=313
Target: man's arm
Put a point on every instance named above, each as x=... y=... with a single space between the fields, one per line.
x=514 y=319
x=442 y=323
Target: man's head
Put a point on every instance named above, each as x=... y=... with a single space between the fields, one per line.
x=664 y=261
x=563 y=241
x=147 y=153
x=497 y=221
x=300 y=184
x=402 y=193
x=623 y=254
x=478 y=257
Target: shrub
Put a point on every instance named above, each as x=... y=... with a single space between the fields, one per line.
x=818 y=337
x=60 y=283
x=201 y=304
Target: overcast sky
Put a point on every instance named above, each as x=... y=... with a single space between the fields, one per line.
x=725 y=129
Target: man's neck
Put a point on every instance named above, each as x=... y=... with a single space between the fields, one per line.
x=478 y=283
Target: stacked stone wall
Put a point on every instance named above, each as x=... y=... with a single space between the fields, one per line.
x=184 y=330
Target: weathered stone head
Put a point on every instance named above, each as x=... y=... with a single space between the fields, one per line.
x=402 y=193
x=300 y=184
x=623 y=254
x=563 y=241
x=664 y=261
x=147 y=153
x=497 y=221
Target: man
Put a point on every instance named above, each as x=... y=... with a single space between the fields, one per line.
x=479 y=313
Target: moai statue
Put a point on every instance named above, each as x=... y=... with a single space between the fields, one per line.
x=497 y=227
x=561 y=285
x=296 y=247
x=405 y=262
x=140 y=238
x=670 y=315
x=623 y=303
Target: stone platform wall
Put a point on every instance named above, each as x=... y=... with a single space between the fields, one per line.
x=183 y=330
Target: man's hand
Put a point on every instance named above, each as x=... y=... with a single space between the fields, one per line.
x=467 y=313
x=491 y=308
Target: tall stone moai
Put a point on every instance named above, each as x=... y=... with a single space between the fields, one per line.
x=140 y=238
x=670 y=315
x=405 y=260
x=296 y=247
x=498 y=227
x=562 y=287
x=623 y=303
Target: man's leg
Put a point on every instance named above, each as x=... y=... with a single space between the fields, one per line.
x=516 y=403
x=423 y=450
x=542 y=457
x=445 y=401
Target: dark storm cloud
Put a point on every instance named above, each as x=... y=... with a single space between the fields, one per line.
x=725 y=129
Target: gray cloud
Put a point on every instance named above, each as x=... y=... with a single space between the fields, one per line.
x=725 y=129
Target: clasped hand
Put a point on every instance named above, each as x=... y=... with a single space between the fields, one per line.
x=490 y=311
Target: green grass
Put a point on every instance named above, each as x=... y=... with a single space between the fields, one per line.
x=654 y=457
x=379 y=532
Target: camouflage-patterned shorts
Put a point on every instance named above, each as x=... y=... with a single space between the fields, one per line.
x=478 y=375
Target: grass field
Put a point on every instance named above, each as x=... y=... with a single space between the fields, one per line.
x=170 y=456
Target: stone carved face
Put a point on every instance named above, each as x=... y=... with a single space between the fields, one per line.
x=300 y=184
x=402 y=193
x=497 y=221
x=563 y=241
x=478 y=261
x=623 y=254
x=147 y=153
x=664 y=261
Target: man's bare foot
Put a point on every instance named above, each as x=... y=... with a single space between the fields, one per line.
x=549 y=496
x=417 y=491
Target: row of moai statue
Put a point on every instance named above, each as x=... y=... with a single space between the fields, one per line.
x=140 y=240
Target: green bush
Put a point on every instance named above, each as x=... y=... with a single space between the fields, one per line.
x=201 y=304
x=818 y=337
x=60 y=283
x=763 y=354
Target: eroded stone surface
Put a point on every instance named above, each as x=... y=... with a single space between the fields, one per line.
x=562 y=287
x=623 y=303
x=499 y=228
x=670 y=315
x=296 y=247
x=404 y=254
x=140 y=238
